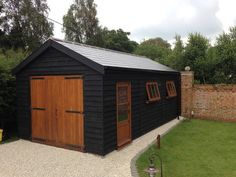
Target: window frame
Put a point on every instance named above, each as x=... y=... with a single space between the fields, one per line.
x=171 y=89
x=153 y=92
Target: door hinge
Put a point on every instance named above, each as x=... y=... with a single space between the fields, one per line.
x=73 y=111
x=42 y=109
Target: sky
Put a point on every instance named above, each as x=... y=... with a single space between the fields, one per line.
x=146 y=19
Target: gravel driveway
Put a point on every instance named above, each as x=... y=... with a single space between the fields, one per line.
x=26 y=159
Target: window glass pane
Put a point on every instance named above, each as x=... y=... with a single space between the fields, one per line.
x=174 y=90
x=122 y=112
x=122 y=95
x=150 y=90
x=170 y=86
x=169 y=89
x=153 y=94
x=158 y=94
x=154 y=90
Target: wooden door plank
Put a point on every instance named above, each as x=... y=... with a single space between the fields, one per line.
x=52 y=93
x=38 y=108
x=73 y=119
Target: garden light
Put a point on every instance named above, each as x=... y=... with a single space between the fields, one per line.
x=152 y=170
x=192 y=114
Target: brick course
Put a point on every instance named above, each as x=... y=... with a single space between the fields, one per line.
x=207 y=101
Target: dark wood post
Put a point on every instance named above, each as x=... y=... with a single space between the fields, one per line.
x=158 y=141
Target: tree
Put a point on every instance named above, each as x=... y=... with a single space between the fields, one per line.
x=226 y=53
x=157 y=42
x=25 y=23
x=205 y=68
x=81 y=24
x=118 y=40
x=175 y=60
x=156 y=49
x=196 y=48
x=195 y=54
x=8 y=60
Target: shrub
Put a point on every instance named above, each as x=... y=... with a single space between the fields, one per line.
x=8 y=60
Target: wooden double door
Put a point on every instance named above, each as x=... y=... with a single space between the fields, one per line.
x=123 y=111
x=57 y=110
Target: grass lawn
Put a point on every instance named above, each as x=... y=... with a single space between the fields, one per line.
x=196 y=148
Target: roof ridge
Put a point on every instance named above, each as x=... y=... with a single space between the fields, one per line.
x=100 y=48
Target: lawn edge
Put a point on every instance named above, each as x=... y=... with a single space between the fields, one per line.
x=133 y=168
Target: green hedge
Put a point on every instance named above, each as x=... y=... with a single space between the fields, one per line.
x=8 y=60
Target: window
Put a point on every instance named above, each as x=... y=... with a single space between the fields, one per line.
x=152 y=91
x=171 y=91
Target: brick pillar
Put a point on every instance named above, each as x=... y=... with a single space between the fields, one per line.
x=187 y=78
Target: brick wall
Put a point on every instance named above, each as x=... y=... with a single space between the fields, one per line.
x=207 y=101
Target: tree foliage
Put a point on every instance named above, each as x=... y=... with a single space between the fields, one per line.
x=226 y=57
x=156 y=49
x=157 y=42
x=23 y=27
x=175 y=59
x=196 y=49
x=211 y=64
x=118 y=40
x=23 y=23
x=8 y=60
x=195 y=55
x=81 y=24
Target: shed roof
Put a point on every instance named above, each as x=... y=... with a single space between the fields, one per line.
x=98 y=57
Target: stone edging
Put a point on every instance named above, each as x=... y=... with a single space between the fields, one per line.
x=134 y=171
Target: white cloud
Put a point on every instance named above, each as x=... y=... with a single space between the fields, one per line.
x=227 y=13
x=152 y=18
x=57 y=10
x=185 y=17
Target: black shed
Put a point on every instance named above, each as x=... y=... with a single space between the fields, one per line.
x=92 y=99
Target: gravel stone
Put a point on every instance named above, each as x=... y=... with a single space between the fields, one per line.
x=27 y=159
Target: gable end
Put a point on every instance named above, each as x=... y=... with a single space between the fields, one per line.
x=50 y=43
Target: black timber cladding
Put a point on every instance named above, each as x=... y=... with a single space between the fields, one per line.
x=53 y=62
x=144 y=117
